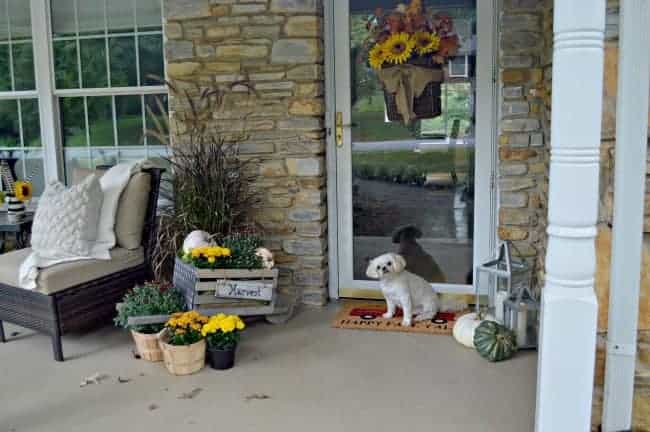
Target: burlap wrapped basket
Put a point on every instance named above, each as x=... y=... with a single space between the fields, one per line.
x=183 y=359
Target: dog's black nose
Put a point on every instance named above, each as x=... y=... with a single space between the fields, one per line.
x=384 y=269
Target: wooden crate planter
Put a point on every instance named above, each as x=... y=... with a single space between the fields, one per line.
x=232 y=291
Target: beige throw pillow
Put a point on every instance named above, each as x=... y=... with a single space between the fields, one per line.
x=131 y=211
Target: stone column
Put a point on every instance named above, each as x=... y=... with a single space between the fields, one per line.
x=569 y=304
x=277 y=47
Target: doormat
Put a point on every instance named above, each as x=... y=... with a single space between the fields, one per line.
x=367 y=316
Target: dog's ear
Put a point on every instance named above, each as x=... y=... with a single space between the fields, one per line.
x=371 y=271
x=400 y=262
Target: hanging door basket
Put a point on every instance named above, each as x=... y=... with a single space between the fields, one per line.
x=426 y=106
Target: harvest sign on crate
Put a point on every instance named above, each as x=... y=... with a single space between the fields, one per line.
x=244 y=289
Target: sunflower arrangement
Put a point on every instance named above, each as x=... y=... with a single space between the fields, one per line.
x=22 y=190
x=222 y=332
x=409 y=34
x=184 y=328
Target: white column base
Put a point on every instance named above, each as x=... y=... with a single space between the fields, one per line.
x=567 y=350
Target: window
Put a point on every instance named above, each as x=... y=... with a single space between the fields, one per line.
x=20 y=136
x=107 y=68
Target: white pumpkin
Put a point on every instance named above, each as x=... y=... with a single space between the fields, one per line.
x=466 y=325
x=195 y=239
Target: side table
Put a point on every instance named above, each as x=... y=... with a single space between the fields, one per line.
x=21 y=229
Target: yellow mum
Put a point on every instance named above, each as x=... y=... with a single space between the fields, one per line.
x=425 y=42
x=398 y=48
x=377 y=56
x=229 y=324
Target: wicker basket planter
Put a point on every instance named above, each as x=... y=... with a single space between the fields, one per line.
x=425 y=106
x=183 y=359
x=148 y=346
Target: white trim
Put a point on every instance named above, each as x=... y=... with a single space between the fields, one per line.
x=569 y=312
x=629 y=197
x=47 y=103
x=485 y=158
x=111 y=91
x=330 y=101
x=26 y=94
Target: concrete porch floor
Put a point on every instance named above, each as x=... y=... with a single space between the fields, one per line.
x=317 y=379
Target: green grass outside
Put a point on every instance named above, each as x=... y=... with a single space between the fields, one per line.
x=405 y=166
x=129 y=130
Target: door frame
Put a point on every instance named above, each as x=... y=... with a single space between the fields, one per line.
x=485 y=203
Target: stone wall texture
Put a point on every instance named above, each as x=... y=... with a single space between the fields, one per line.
x=524 y=127
x=277 y=46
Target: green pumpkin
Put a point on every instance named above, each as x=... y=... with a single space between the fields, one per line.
x=494 y=341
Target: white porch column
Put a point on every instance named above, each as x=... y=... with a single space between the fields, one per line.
x=569 y=306
x=629 y=185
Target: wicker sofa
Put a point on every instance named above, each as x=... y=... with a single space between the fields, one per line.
x=80 y=295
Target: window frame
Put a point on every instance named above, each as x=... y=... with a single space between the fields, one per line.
x=48 y=95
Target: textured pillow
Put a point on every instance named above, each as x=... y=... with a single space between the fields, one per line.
x=65 y=223
x=131 y=211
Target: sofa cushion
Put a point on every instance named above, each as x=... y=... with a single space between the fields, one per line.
x=131 y=211
x=65 y=275
x=132 y=207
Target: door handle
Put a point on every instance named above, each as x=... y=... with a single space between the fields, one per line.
x=339 y=128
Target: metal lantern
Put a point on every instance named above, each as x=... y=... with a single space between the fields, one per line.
x=521 y=314
x=505 y=276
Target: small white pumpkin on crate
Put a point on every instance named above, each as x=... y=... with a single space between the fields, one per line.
x=196 y=239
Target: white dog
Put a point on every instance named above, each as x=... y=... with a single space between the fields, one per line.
x=404 y=289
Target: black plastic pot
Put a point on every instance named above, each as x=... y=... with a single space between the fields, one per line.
x=221 y=359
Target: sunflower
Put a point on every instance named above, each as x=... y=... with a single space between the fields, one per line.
x=377 y=56
x=425 y=42
x=398 y=48
x=23 y=190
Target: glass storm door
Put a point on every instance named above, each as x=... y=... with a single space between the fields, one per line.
x=423 y=189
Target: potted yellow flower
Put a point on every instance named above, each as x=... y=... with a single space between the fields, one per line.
x=222 y=333
x=182 y=343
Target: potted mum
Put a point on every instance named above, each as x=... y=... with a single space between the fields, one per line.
x=222 y=333
x=140 y=312
x=182 y=343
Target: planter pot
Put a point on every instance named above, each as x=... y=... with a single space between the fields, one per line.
x=183 y=359
x=221 y=359
x=148 y=346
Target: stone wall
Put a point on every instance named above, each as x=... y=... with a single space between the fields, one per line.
x=523 y=140
x=276 y=45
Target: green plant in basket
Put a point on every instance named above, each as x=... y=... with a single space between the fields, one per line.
x=145 y=300
x=243 y=249
x=184 y=328
x=237 y=251
x=222 y=332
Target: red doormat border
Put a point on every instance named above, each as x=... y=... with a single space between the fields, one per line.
x=366 y=315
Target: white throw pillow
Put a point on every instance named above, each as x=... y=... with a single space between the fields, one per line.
x=112 y=184
x=66 y=220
